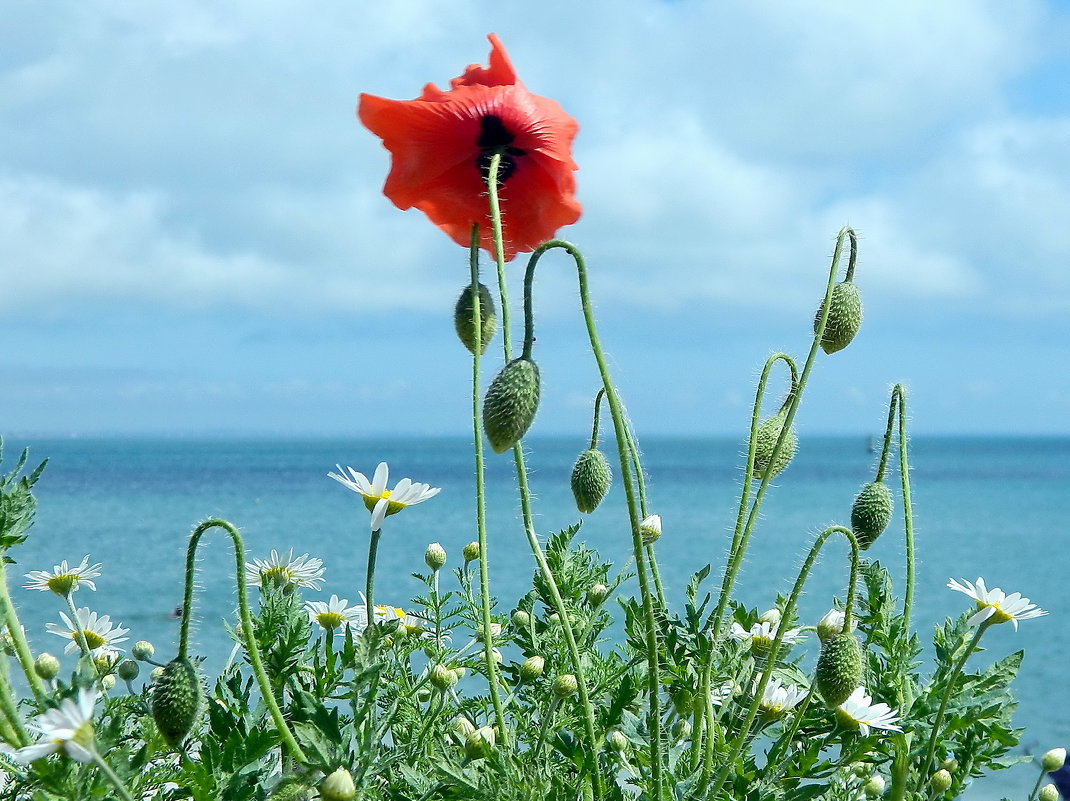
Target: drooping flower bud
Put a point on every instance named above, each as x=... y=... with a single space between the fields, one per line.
x=142 y=650
x=46 y=666
x=176 y=700
x=1053 y=760
x=590 y=481
x=940 y=781
x=510 y=404
x=565 y=685
x=435 y=556
x=464 y=318
x=650 y=529
x=338 y=786
x=442 y=678
x=839 y=669
x=871 y=513
x=1049 y=792
x=765 y=441
x=597 y=594
x=844 y=319
x=532 y=667
x=470 y=552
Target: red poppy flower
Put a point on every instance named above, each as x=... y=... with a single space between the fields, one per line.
x=442 y=144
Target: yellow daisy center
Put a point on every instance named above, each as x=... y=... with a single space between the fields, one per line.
x=92 y=639
x=999 y=616
x=329 y=620
x=392 y=507
x=63 y=584
x=278 y=576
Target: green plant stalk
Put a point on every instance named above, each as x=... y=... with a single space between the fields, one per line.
x=481 y=498
x=900 y=767
x=789 y=610
x=620 y=430
x=525 y=494
x=740 y=541
x=11 y=716
x=1036 y=786
x=246 y=626
x=369 y=579
x=597 y=413
x=112 y=777
x=640 y=482
x=735 y=551
x=18 y=638
x=908 y=513
x=79 y=636
x=939 y=721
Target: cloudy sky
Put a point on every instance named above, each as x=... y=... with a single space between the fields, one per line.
x=193 y=237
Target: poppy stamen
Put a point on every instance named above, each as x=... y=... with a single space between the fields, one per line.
x=494 y=137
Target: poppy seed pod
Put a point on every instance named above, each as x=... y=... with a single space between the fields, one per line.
x=464 y=318
x=839 y=669
x=844 y=318
x=510 y=404
x=871 y=512
x=765 y=441
x=176 y=700
x=590 y=480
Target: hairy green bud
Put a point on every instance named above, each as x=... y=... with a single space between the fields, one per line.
x=565 y=685
x=844 y=319
x=839 y=669
x=435 y=556
x=765 y=441
x=871 y=513
x=590 y=481
x=470 y=552
x=176 y=700
x=464 y=314
x=532 y=667
x=510 y=404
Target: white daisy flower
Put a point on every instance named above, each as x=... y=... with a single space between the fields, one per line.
x=382 y=502
x=63 y=580
x=761 y=635
x=778 y=700
x=67 y=729
x=99 y=633
x=996 y=606
x=333 y=613
x=859 y=712
x=280 y=571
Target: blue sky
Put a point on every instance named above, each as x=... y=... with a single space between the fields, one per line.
x=193 y=237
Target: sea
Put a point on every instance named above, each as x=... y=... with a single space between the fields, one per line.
x=992 y=507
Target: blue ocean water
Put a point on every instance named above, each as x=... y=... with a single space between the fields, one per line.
x=996 y=508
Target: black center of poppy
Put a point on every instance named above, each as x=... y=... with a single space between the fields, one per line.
x=494 y=137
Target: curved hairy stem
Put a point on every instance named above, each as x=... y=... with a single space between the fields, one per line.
x=246 y=620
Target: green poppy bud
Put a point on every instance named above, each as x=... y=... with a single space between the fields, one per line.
x=338 y=786
x=1049 y=792
x=435 y=556
x=844 y=320
x=464 y=318
x=176 y=700
x=839 y=669
x=590 y=480
x=532 y=667
x=46 y=666
x=871 y=513
x=940 y=781
x=510 y=404
x=292 y=788
x=1053 y=759
x=765 y=441
x=565 y=685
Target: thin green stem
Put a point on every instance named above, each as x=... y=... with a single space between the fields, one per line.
x=1036 y=786
x=948 y=691
x=79 y=636
x=18 y=638
x=621 y=433
x=369 y=579
x=112 y=777
x=481 y=501
x=525 y=494
x=11 y=714
x=774 y=649
x=908 y=512
x=597 y=416
x=246 y=620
